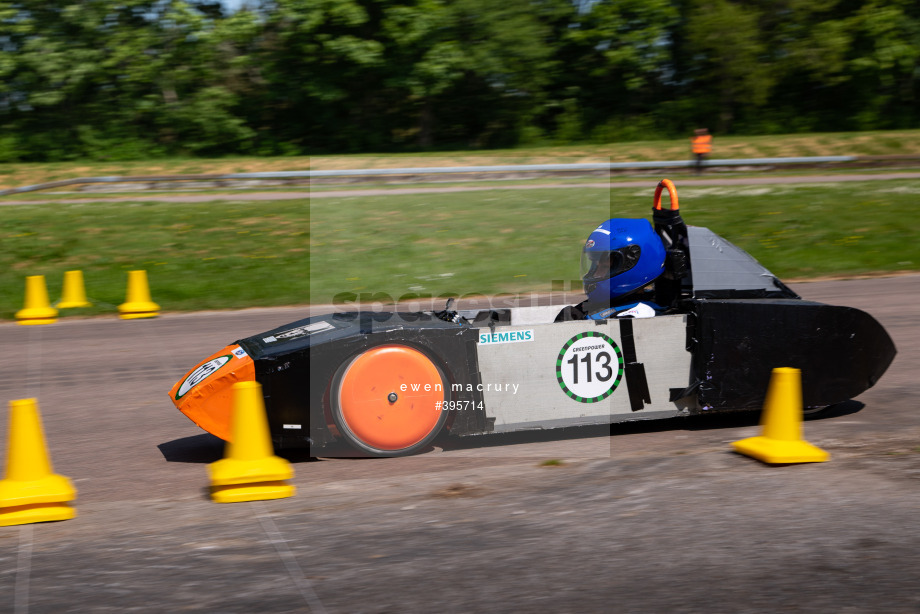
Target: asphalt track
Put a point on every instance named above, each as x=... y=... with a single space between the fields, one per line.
x=330 y=193
x=655 y=518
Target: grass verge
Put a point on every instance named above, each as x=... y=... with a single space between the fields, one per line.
x=242 y=254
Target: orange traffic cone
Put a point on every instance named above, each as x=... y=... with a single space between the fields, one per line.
x=138 y=303
x=781 y=439
x=249 y=471
x=31 y=492
x=73 y=294
x=38 y=309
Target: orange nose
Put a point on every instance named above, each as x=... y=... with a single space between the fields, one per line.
x=205 y=394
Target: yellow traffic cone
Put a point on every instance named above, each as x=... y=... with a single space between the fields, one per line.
x=38 y=309
x=138 y=303
x=781 y=439
x=31 y=492
x=73 y=294
x=249 y=471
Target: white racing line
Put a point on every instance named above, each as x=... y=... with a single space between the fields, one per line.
x=265 y=519
x=34 y=363
x=290 y=561
x=26 y=532
x=23 y=571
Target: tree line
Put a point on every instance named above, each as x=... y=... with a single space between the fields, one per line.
x=123 y=79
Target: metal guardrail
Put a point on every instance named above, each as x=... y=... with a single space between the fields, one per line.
x=577 y=167
x=431 y=170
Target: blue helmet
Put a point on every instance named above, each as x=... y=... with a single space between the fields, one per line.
x=619 y=257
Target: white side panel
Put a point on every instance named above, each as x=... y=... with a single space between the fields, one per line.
x=540 y=314
x=522 y=367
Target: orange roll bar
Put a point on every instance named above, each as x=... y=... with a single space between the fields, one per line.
x=672 y=193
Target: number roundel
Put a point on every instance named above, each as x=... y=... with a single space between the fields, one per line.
x=589 y=367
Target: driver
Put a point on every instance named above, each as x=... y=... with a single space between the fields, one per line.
x=620 y=260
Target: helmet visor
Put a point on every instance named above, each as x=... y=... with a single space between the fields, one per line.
x=600 y=265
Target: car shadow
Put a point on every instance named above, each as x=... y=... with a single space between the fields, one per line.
x=839 y=410
x=203 y=448
x=206 y=448
x=701 y=422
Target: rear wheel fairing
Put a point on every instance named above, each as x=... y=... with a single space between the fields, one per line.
x=736 y=344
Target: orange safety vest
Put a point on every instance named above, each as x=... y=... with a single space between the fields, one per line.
x=702 y=144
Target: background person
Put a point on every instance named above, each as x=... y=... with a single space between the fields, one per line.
x=702 y=147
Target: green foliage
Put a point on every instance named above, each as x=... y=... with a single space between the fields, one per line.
x=569 y=122
x=9 y=148
x=625 y=129
x=724 y=37
x=109 y=80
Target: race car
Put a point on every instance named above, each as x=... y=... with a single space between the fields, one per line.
x=388 y=384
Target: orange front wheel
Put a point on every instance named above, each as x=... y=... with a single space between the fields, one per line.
x=389 y=401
